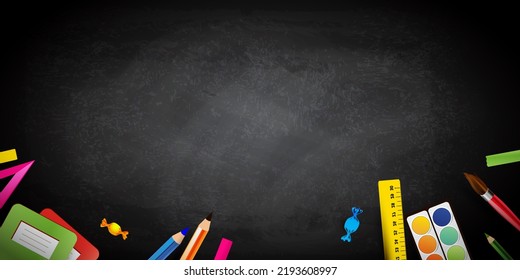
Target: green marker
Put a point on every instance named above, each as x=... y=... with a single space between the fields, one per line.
x=503 y=158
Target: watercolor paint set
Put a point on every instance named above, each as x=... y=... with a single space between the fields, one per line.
x=437 y=234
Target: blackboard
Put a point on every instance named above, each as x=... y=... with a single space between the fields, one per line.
x=277 y=120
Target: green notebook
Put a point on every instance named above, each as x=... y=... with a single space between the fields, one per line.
x=27 y=235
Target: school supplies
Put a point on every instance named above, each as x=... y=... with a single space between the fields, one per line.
x=27 y=235
x=392 y=222
x=196 y=239
x=503 y=158
x=481 y=188
x=7 y=156
x=223 y=249
x=500 y=250
x=169 y=246
x=18 y=173
x=437 y=234
x=83 y=249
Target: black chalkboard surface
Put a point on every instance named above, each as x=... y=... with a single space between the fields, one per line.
x=278 y=121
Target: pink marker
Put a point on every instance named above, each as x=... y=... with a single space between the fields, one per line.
x=223 y=249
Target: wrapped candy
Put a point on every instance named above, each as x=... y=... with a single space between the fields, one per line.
x=114 y=229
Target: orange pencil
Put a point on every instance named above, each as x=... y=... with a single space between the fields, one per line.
x=197 y=239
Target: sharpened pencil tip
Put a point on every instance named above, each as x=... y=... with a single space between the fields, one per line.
x=489 y=238
x=209 y=216
x=184 y=231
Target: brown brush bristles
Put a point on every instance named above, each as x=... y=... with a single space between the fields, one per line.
x=476 y=183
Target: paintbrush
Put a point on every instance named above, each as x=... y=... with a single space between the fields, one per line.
x=480 y=188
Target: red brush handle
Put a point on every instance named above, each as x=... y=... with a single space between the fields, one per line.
x=503 y=210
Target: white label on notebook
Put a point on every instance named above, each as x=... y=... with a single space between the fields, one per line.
x=35 y=240
x=74 y=255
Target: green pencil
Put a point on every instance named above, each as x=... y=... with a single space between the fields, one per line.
x=503 y=158
x=501 y=251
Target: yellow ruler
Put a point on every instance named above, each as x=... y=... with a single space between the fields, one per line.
x=392 y=221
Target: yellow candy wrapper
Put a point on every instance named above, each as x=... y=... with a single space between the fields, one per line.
x=114 y=228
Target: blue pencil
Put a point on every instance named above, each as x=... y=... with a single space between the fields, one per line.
x=169 y=246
